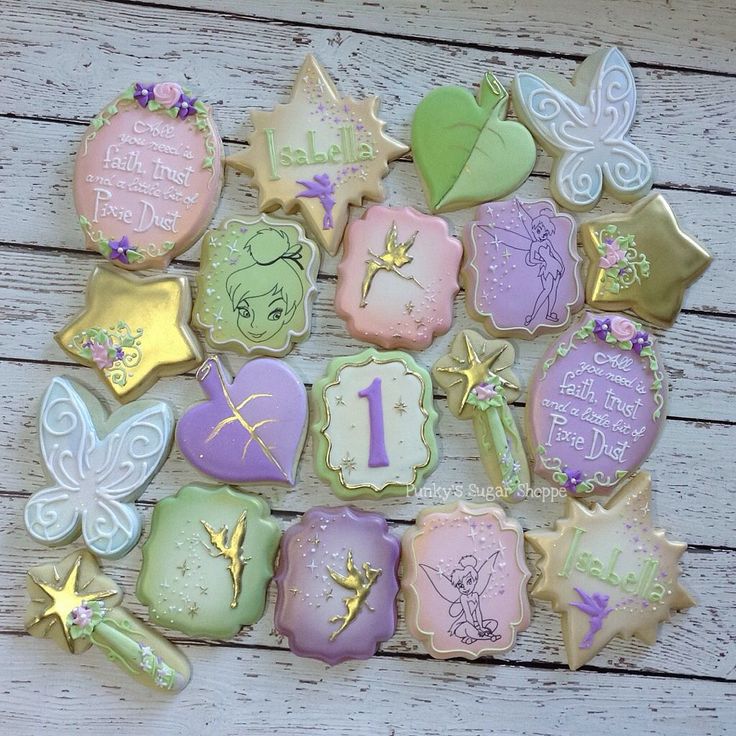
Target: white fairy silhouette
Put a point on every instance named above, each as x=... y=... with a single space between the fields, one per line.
x=588 y=139
x=462 y=588
x=98 y=468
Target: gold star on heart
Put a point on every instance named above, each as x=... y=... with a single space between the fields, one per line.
x=641 y=260
x=609 y=572
x=318 y=153
x=133 y=330
x=470 y=361
x=64 y=586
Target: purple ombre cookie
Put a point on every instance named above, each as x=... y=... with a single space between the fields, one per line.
x=337 y=582
x=251 y=429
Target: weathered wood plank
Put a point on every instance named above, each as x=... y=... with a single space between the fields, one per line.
x=266 y=691
x=683 y=120
x=689 y=466
x=690 y=35
x=26 y=332
x=696 y=642
x=39 y=193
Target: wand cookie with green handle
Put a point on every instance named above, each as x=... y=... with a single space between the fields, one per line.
x=76 y=605
x=476 y=374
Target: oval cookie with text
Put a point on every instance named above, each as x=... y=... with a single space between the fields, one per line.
x=522 y=269
x=465 y=580
x=374 y=436
x=398 y=278
x=596 y=404
x=148 y=175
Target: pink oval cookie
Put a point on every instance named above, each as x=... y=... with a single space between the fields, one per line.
x=522 y=268
x=398 y=278
x=148 y=175
x=596 y=404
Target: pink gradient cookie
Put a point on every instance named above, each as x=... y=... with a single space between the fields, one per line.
x=464 y=580
x=522 y=269
x=148 y=175
x=398 y=278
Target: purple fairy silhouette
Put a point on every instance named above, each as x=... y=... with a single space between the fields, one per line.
x=595 y=607
x=321 y=188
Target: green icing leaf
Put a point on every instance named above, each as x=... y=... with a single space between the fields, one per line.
x=465 y=150
x=153 y=106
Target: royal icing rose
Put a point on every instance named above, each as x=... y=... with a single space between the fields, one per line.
x=167 y=93
x=622 y=328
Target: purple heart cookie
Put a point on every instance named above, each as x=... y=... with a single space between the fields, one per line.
x=251 y=429
x=337 y=583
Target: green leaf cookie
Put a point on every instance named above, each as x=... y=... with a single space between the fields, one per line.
x=466 y=151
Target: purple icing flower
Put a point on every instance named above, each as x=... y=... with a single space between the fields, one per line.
x=119 y=353
x=485 y=391
x=640 y=341
x=143 y=93
x=81 y=615
x=119 y=249
x=573 y=478
x=185 y=106
x=602 y=328
x=101 y=355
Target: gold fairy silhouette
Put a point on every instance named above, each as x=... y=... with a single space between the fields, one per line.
x=359 y=582
x=231 y=551
x=392 y=259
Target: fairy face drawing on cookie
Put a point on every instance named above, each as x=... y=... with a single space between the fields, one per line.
x=256 y=286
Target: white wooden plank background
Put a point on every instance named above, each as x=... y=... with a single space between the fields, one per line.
x=61 y=61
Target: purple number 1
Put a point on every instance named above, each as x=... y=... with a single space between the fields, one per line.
x=377 y=457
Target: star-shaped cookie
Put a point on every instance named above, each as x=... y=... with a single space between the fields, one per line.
x=609 y=572
x=133 y=330
x=641 y=260
x=318 y=153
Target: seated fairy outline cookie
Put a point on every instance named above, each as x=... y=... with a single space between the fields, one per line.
x=257 y=283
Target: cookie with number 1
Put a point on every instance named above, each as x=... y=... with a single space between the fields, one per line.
x=374 y=436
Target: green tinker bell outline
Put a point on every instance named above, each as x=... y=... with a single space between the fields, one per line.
x=267 y=292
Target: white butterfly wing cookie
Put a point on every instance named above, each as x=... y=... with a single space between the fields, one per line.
x=583 y=126
x=98 y=466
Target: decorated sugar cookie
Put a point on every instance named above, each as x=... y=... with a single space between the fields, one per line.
x=465 y=149
x=641 y=260
x=77 y=606
x=133 y=330
x=398 y=278
x=337 y=582
x=476 y=374
x=317 y=154
x=98 y=466
x=609 y=572
x=596 y=404
x=148 y=175
x=208 y=561
x=584 y=126
x=249 y=430
x=256 y=286
x=374 y=433
x=522 y=269
x=465 y=580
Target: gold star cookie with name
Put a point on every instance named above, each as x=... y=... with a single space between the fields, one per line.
x=133 y=330
x=318 y=153
x=641 y=260
x=609 y=572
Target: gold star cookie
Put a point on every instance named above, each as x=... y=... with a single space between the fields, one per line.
x=133 y=330
x=318 y=154
x=641 y=260
x=609 y=572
